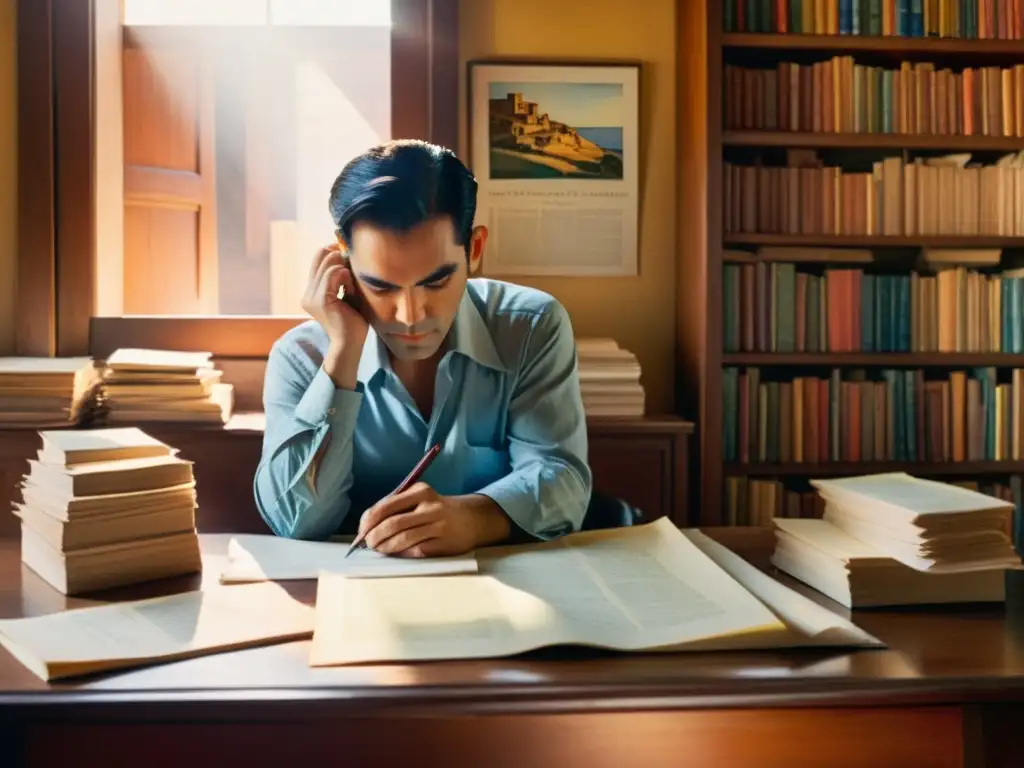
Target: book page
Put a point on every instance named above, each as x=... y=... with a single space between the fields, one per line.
x=122 y=442
x=254 y=557
x=118 y=635
x=160 y=359
x=638 y=588
x=12 y=366
x=998 y=556
x=914 y=497
x=807 y=622
x=633 y=588
x=830 y=540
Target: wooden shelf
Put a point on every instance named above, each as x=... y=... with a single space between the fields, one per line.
x=855 y=43
x=874 y=241
x=933 y=469
x=703 y=151
x=870 y=140
x=916 y=359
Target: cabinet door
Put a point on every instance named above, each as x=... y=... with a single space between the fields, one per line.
x=636 y=470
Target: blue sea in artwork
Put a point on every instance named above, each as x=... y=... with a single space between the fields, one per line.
x=606 y=138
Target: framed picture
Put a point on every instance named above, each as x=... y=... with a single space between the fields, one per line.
x=555 y=150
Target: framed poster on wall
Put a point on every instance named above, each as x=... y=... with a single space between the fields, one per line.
x=555 y=150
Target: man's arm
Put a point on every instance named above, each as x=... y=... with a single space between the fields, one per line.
x=548 y=491
x=305 y=472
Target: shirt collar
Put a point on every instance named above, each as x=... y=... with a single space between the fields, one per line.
x=374 y=358
x=469 y=336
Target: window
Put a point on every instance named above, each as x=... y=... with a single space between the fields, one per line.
x=237 y=116
x=196 y=141
x=344 y=13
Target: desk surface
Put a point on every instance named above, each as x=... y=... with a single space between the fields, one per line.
x=935 y=656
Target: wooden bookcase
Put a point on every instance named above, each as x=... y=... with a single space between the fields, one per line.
x=704 y=148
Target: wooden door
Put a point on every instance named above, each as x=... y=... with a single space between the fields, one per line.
x=170 y=227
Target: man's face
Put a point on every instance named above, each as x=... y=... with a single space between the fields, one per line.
x=412 y=282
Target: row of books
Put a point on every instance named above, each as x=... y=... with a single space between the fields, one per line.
x=789 y=307
x=841 y=96
x=760 y=500
x=132 y=385
x=609 y=379
x=893 y=539
x=969 y=19
x=927 y=196
x=857 y=415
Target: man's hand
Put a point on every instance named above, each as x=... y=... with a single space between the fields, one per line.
x=342 y=320
x=422 y=523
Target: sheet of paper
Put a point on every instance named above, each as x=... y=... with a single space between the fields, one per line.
x=118 y=635
x=807 y=623
x=642 y=588
x=254 y=557
x=910 y=498
x=971 y=559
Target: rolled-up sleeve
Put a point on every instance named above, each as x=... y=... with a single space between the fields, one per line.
x=304 y=476
x=548 y=490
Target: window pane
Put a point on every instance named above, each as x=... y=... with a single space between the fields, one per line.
x=194 y=12
x=230 y=149
x=342 y=13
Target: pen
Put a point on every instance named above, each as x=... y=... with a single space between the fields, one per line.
x=412 y=478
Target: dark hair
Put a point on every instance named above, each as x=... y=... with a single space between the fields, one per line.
x=401 y=184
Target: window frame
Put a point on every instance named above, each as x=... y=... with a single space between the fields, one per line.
x=57 y=134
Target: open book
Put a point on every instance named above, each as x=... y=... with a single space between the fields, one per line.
x=648 y=588
x=259 y=557
x=132 y=634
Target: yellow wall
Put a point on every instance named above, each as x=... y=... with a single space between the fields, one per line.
x=8 y=175
x=639 y=312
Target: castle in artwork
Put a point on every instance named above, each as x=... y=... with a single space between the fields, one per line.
x=527 y=143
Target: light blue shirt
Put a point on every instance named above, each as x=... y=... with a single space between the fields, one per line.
x=507 y=413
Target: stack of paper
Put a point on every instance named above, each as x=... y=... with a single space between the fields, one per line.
x=48 y=392
x=858 y=575
x=143 y=385
x=609 y=379
x=884 y=538
x=927 y=525
x=107 y=507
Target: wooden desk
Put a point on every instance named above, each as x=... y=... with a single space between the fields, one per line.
x=643 y=461
x=948 y=692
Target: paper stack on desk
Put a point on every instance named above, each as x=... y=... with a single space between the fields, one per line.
x=107 y=507
x=858 y=575
x=143 y=385
x=609 y=379
x=894 y=539
x=48 y=392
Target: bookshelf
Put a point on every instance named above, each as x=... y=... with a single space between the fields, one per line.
x=977 y=38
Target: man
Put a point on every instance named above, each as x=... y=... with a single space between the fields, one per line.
x=404 y=351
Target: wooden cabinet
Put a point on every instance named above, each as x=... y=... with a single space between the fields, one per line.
x=641 y=461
